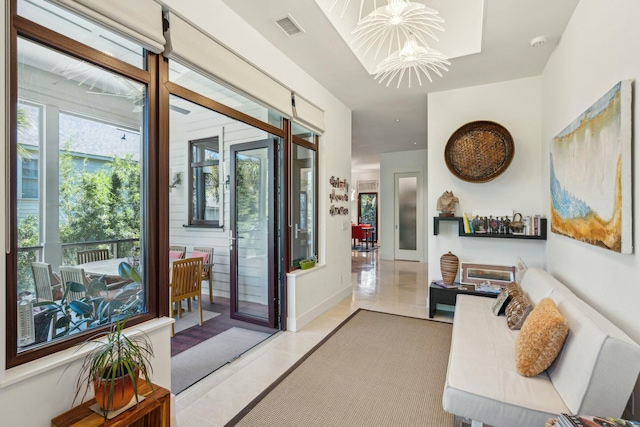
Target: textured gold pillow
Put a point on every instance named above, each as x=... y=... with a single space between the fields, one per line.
x=517 y=311
x=540 y=338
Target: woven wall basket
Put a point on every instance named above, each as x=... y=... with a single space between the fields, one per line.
x=479 y=151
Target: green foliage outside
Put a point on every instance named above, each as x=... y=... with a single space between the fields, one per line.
x=27 y=236
x=94 y=206
x=368 y=209
x=98 y=205
x=248 y=194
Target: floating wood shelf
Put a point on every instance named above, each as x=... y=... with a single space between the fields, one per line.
x=461 y=233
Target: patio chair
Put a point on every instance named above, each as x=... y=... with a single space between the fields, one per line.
x=177 y=252
x=207 y=265
x=186 y=282
x=44 y=280
x=73 y=274
x=93 y=255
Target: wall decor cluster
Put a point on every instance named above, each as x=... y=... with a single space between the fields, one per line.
x=342 y=186
x=479 y=151
x=590 y=168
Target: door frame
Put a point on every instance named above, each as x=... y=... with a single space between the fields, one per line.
x=375 y=230
x=273 y=288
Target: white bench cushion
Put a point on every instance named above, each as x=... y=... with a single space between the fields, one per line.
x=482 y=380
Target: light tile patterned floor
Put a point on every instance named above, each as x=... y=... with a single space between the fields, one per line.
x=398 y=287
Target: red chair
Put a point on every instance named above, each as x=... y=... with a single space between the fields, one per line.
x=357 y=233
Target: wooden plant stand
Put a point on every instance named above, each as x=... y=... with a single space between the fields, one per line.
x=154 y=410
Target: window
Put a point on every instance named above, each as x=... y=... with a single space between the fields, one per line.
x=304 y=195
x=210 y=88
x=29 y=181
x=83 y=180
x=204 y=176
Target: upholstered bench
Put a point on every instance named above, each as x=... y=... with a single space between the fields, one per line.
x=594 y=373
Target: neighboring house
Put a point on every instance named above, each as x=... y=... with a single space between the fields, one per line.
x=91 y=143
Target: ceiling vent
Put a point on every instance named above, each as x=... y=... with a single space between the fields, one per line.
x=289 y=25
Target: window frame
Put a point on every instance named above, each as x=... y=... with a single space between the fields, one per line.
x=153 y=236
x=202 y=144
x=314 y=146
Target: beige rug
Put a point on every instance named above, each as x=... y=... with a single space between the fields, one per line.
x=375 y=369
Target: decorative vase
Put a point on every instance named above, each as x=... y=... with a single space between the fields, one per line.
x=449 y=268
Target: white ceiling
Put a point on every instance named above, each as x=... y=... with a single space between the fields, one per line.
x=507 y=29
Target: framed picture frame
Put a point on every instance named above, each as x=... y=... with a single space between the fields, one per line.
x=480 y=273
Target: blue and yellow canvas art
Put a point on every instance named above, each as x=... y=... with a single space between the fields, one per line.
x=590 y=169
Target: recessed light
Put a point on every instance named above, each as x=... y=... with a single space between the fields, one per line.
x=397 y=120
x=415 y=143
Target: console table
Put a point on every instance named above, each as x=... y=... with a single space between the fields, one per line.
x=153 y=411
x=447 y=296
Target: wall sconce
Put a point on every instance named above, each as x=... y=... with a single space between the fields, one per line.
x=177 y=179
x=227 y=181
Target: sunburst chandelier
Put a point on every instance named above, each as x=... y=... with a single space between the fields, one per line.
x=411 y=59
x=400 y=29
x=392 y=24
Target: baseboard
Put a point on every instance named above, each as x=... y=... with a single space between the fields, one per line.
x=296 y=323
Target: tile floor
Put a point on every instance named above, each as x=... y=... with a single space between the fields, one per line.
x=398 y=287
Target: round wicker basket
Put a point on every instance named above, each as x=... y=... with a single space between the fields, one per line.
x=479 y=151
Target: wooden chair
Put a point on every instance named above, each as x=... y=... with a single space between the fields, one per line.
x=186 y=282
x=43 y=278
x=175 y=249
x=73 y=274
x=93 y=255
x=207 y=266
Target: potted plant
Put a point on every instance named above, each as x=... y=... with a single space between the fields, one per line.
x=114 y=366
x=308 y=263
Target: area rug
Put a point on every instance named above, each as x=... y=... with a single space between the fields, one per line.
x=375 y=369
x=194 y=364
x=190 y=318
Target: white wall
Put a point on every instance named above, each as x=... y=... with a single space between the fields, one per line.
x=516 y=106
x=391 y=164
x=317 y=290
x=583 y=67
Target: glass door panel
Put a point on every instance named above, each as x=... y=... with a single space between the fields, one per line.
x=252 y=232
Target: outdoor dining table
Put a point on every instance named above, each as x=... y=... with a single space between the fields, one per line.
x=107 y=267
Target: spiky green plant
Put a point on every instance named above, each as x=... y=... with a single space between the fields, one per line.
x=115 y=355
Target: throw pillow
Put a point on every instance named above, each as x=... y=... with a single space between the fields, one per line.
x=513 y=289
x=517 y=311
x=540 y=339
x=175 y=255
x=501 y=302
x=203 y=255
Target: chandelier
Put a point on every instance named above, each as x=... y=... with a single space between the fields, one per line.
x=392 y=24
x=412 y=58
x=401 y=29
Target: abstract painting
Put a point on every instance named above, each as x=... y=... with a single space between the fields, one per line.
x=591 y=174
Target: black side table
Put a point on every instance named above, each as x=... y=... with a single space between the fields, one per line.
x=447 y=296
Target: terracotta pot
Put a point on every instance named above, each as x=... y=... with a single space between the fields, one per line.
x=120 y=398
x=449 y=268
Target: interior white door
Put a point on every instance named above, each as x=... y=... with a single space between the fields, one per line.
x=408 y=217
